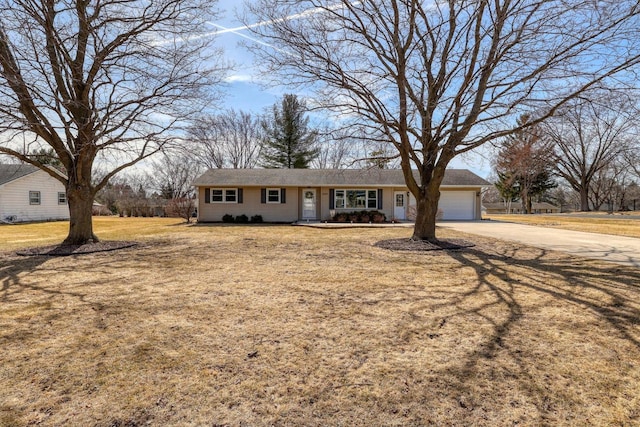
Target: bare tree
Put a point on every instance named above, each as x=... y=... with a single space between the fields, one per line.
x=332 y=154
x=352 y=147
x=230 y=139
x=94 y=80
x=126 y=195
x=632 y=155
x=589 y=136
x=338 y=148
x=610 y=186
x=440 y=78
x=172 y=177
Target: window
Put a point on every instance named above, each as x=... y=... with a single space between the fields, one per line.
x=34 y=197
x=356 y=199
x=339 y=199
x=62 y=198
x=372 y=199
x=231 y=196
x=273 y=195
x=228 y=195
x=217 y=196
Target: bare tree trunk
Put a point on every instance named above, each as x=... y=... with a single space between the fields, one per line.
x=427 y=209
x=584 y=199
x=80 y=199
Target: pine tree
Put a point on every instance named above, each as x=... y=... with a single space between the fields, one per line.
x=289 y=142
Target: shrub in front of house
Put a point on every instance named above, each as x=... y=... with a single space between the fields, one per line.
x=340 y=217
x=360 y=217
x=242 y=219
x=256 y=219
x=378 y=217
x=227 y=218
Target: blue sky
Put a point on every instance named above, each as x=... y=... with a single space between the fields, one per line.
x=244 y=89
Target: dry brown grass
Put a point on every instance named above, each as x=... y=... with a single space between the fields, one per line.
x=603 y=224
x=18 y=236
x=278 y=325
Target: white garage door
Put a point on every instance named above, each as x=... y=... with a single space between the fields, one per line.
x=457 y=205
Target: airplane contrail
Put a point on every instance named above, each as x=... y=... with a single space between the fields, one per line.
x=304 y=14
x=237 y=32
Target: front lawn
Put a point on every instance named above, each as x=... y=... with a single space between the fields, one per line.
x=280 y=325
x=19 y=236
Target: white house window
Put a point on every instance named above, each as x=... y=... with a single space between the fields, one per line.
x=62 y=198
x=217 y=196
x=356 y=199
x=273 y=195
x=34 y=197
x=220 y=195
x=231 y=196
x=372 y=199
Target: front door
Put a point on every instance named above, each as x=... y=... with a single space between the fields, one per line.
x=399 y=205
x=308 y=203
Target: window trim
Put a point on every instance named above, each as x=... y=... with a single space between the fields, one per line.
x=278 y=192
x=224 y=194
x=32 y=200
x=340 y=199
x=62 y=200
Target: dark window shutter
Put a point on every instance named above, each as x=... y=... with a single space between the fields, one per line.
x=239 y=195
x=332 y=198
x=207 y=195
x=379 y=198
x=283 y=195
x=263 y=195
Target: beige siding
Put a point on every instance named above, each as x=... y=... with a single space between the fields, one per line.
x=271 y=212
x=14 y=198
x=292 y=210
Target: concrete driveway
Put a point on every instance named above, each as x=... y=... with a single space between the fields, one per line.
x=605 y=247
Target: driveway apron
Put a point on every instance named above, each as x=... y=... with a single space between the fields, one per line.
x=605 y=247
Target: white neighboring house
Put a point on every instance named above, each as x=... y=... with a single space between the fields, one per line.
x=30 y=194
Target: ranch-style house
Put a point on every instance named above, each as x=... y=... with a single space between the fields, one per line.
x=292 y=195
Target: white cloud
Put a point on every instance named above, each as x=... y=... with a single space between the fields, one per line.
x=243 y=78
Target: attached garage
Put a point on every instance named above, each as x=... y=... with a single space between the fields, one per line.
x=458 y=205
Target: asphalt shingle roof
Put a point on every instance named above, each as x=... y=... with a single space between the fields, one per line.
x=325 y=178
x=9 y=172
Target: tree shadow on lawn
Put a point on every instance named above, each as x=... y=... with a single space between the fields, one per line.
x=500 y=370
x=541 y=298
x=13 y=267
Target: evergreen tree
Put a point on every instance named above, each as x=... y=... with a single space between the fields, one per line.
x=48 y=157
x=289 y=142
x=526 y=159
